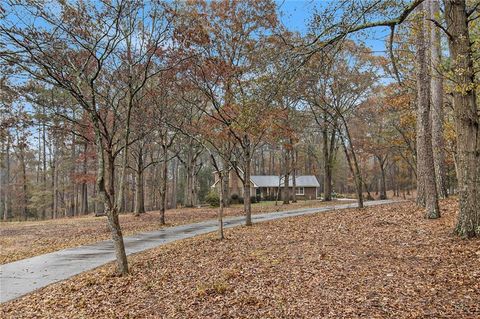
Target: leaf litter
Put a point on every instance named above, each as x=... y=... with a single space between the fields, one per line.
x=379 y=262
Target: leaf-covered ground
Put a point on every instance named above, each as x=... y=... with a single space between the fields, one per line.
x=20 y=240
x=381 y=262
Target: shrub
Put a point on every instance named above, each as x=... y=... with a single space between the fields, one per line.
x=253 y=200
x=212 y=198
x=234 y=198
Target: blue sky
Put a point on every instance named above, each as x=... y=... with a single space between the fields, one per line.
x=295 y=15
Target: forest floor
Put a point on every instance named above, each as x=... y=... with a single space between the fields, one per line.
x=381 y=262
x=19 y=240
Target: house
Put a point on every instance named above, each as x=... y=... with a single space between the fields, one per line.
x=270 y=187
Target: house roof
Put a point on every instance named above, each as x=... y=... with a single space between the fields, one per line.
x=275 y=180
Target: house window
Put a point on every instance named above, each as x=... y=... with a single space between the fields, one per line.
x=300 y=191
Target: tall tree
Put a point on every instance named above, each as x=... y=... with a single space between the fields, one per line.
x=458 y=17
x=425 y=162
x=467 y=117
x=228 y=37
x=80 y=51
x=437 y=91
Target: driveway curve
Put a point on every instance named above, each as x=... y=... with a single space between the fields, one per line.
x=24 y=276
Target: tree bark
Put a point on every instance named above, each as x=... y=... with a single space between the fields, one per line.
x=383 y=188
x=262 y=161
x=163 y=185
x=73 y=189
x=247 y=205
x=294 y=176
x=383 y=180
x=328 y=154
x=174 y=182
x=139 y=191
x=467 y=119
x=226 y=181
x=327 y=172
x=2 y=184
x=21 y=157
x=55 y=180
x=189 y=171
x=106 y=189
x=44 y=161
x=426 y=167
x=112 y=215
x=220 y=209
x=286 y=177
x=352 y=163
x=438 y=143
x=6 y=212
x=84 y=190
x=117 y=237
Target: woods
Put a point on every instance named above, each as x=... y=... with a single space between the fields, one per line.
x=124 y=107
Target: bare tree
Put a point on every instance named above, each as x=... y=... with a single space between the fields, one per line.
x=467 y=117
x=425 y=163
x=78 y=51
x=437 y=117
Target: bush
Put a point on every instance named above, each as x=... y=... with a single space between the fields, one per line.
x=270 y=198
x=234 y=199
x=212 y=199
x=253 y=200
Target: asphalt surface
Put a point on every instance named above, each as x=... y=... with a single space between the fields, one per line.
x=24 y=276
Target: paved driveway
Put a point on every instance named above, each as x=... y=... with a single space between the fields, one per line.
x=24 y=276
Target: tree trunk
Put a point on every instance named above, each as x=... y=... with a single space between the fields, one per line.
x=2 y=185
x=353 y=165
x=327 y=173
x=112 y=212
x=139 y=191
x=262 y=161
x=247 y=205
x=163 y=185
x=44 y=162
x=84 y=190
x=117 y=237
x=72 y=208
x=286 y=177
x=271 y=162
x=189 y=168
x=6 y=212
x=294 y=176
x=24 y=180
x=54 y=180
x=383 y=182
x=121 y=194
x=467 y=119
x=226 y=181
x=328 y=154
x=106 y=189
x=426 y=167
x=95 y=200
x=174 y=182
x=220 y=209
x=438 y=142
